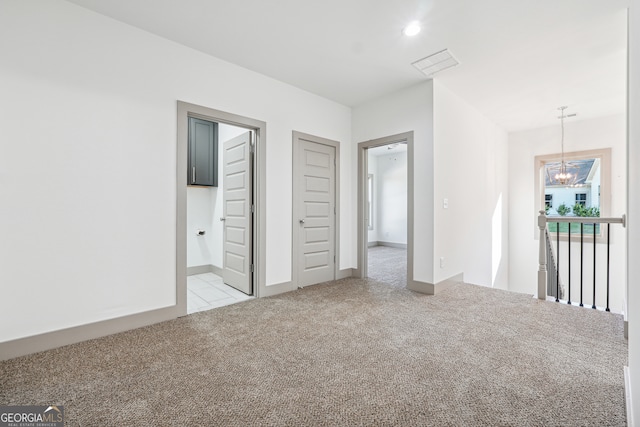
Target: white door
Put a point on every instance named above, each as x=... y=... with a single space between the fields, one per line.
x=237 y=212
x=316 y=210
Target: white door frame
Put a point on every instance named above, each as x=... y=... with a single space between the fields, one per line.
x=186 y=110
x=362 y=200
x=295 y=226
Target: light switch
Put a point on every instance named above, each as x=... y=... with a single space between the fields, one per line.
x=445 y=203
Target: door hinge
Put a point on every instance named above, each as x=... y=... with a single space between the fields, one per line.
x=334 y=259
x=252 y=268
x=253 y=208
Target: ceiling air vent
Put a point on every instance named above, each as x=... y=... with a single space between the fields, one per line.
x=435 y=63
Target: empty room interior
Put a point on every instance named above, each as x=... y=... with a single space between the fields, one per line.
x=320 y=213
x=387 y=213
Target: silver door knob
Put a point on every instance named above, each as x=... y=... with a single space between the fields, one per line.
x=222 y=218
x=302 y=221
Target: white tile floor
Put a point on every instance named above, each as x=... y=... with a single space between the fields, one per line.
x=207 y=291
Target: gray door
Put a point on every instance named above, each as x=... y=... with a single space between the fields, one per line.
x=237 y=198
x=316 y=211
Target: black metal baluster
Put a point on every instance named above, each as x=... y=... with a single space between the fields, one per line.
x=581 y=254
x=569 y=258
x=594 y=266
x=558 y=261
x=608 y=242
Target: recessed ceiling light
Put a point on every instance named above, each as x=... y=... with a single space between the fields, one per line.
x=412 y=29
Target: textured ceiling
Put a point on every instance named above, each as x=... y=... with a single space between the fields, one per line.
x=519 y=60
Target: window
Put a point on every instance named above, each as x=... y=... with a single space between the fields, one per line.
x=586 y=193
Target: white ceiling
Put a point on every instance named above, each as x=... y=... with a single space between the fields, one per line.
x=519 y=59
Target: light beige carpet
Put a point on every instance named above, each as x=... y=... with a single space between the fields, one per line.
x=388 y=265
x=352 y=352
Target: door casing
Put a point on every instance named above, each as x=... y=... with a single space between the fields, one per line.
x=362 y=200
x=295 y=267
x=186 y=110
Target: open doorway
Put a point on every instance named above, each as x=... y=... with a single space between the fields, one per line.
x=220 y=200
x=387 y=213
x=385 y=209
x=219 y=236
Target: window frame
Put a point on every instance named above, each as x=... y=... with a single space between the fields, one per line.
x=604 y=154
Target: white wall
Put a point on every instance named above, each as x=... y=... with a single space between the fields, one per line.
x=471 y=172
x=523 y=147
x=391 y=192
x=200 y=205
x=407 y=110
x=634 y=207
x=88 y=163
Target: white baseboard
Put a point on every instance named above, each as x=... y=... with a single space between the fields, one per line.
x=343 y=274
x=626 y=329
x=387 y=244
x=76 y=334
x=434 y=289
x=393 y=245
x=199 y=269
x=628 y=397
x=202 y=269
x=279 y=288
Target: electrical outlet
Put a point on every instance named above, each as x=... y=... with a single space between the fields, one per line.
x=441 y=262
x=445 y=203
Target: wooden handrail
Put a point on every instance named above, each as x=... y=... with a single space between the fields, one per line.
x=587 y=219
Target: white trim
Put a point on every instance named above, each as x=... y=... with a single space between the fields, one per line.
x=628 y=396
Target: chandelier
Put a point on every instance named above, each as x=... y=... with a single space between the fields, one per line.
x=563 y=176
